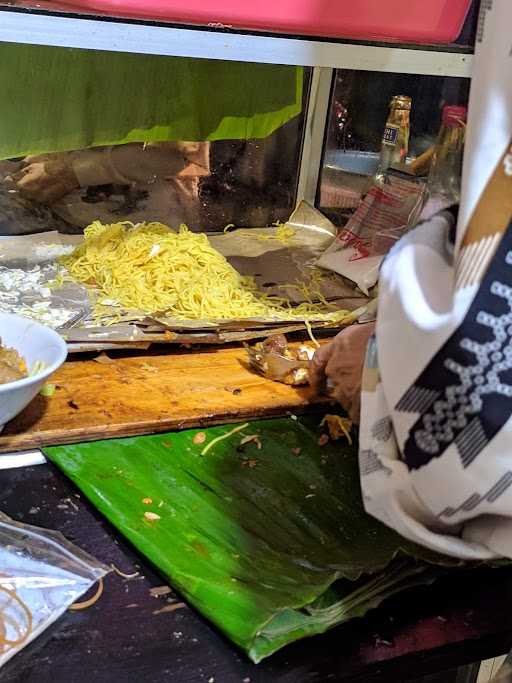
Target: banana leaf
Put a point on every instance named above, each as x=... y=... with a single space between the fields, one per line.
x=270 y=544
x=59 y=99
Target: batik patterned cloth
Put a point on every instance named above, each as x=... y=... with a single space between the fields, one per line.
x=436 y=424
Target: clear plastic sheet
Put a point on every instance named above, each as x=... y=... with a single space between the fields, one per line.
x=384 y=215
x=41 y=575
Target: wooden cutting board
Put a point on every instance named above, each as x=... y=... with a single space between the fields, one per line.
x=150 y=393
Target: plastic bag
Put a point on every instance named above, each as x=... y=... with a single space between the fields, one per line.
x=385 y=214
x=41 y=575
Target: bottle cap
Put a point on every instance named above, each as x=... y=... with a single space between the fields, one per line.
x=401 y=102
x=454 y=116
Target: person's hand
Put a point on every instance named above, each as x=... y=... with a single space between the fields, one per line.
x=46 y=178
x=338 y=367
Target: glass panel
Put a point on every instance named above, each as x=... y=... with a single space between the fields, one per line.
x=358 y=114
x=197 y=147
x=248 y=183
x=252 y=183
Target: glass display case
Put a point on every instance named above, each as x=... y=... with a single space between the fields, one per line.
x=112 y=120
x=131 y=137
x=357 y=116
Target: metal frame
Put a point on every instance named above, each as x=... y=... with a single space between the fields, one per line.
x=43 y=28
x=320 y=100
x=314 y=134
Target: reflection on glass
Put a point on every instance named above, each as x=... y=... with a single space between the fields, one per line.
x=206 y=185
x=358 y=114
x=249 y=183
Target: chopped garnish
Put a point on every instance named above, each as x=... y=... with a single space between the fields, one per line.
x=48 y=390
x=224 y=436
x=233 y=390
x=249 y=463
x=147 y=501
x=338 y=427
x=122 y=574
x=199 y=438
x=159 y=591
x=149 y=368
x=252 y=438
x=170 y=608
x=152 y=516
x=296 y=451
x=166 y=444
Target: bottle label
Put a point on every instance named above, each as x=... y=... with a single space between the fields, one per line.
x=390 y=135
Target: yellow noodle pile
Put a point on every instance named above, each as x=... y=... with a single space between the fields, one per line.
x=150 y=268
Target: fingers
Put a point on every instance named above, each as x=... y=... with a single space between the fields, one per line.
x=317 y=377
x=354 y=411
x=18 y=175
x=45 y=182
x=356 y=338
x=325 y=364
x=341 y=364
x=29 y=179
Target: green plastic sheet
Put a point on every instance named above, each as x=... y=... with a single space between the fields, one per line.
x=61 y=99
x=271 y=545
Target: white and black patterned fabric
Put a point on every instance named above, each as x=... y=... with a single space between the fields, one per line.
x=464 y=395
x=436 y=417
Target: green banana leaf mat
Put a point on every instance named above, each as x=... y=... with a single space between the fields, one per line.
x=271 y=544
x=60 y=99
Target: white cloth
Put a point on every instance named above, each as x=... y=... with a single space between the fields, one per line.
x=436 y=418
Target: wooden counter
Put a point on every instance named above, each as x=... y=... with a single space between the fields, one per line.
x=150 y=393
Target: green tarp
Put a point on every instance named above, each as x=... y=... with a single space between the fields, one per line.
x=60 y=99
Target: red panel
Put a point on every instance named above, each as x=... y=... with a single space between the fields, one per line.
x=406 y=20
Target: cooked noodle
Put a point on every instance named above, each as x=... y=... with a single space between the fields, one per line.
x=10 y=621
x=150 y=268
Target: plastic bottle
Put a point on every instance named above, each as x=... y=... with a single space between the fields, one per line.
x=444 y=180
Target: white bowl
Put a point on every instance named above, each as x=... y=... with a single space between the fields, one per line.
x=34 y=342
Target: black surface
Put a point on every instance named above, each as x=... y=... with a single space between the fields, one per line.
x=463 y=618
